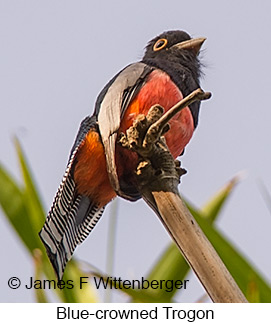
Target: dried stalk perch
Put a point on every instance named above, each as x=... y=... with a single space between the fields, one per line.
x=158 y=177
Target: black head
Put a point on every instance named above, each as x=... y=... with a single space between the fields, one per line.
x=176 y=53
x=175 y=46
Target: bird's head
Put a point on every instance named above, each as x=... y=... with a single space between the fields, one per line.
x=174 y=47
x=176 y=53
x=174 y=42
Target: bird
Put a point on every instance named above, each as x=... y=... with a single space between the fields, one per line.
x=99 y=169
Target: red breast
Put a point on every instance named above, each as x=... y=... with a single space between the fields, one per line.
x=90 y=171
x=158 y=89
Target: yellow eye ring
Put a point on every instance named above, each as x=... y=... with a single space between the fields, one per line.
x=160 y=44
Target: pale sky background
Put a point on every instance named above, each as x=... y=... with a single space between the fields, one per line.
x=55 y=58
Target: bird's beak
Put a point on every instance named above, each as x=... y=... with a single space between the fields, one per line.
x=193 y=44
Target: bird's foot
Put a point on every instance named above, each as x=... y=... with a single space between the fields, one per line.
x=155 y=160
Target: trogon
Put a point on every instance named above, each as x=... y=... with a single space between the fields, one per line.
x=98 y=168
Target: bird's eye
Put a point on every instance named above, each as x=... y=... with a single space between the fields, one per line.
x=160 y=44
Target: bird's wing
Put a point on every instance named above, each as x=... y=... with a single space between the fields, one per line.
x=111 y=105
x=73 y=216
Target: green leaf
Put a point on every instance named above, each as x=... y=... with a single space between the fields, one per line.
x=213 y=207
x=40 y=293
x=23 y=209
x=12 y=200
x=172 y=265
x=242 y=271
x=33 y=203
x=78 y=294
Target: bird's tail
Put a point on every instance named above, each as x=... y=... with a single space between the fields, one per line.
x=70 y=220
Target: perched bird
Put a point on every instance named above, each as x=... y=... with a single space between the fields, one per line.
x=99 y=168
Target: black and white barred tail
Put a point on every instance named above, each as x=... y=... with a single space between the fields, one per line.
x=72 y=216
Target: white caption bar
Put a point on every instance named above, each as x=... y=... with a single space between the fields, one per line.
x=14 y=312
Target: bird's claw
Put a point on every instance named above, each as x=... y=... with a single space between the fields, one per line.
x=155 y=160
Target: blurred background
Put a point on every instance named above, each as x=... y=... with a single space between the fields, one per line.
x=56 y=56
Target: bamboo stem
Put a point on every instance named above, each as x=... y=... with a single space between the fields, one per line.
x=158 y=176
x=196 y=248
